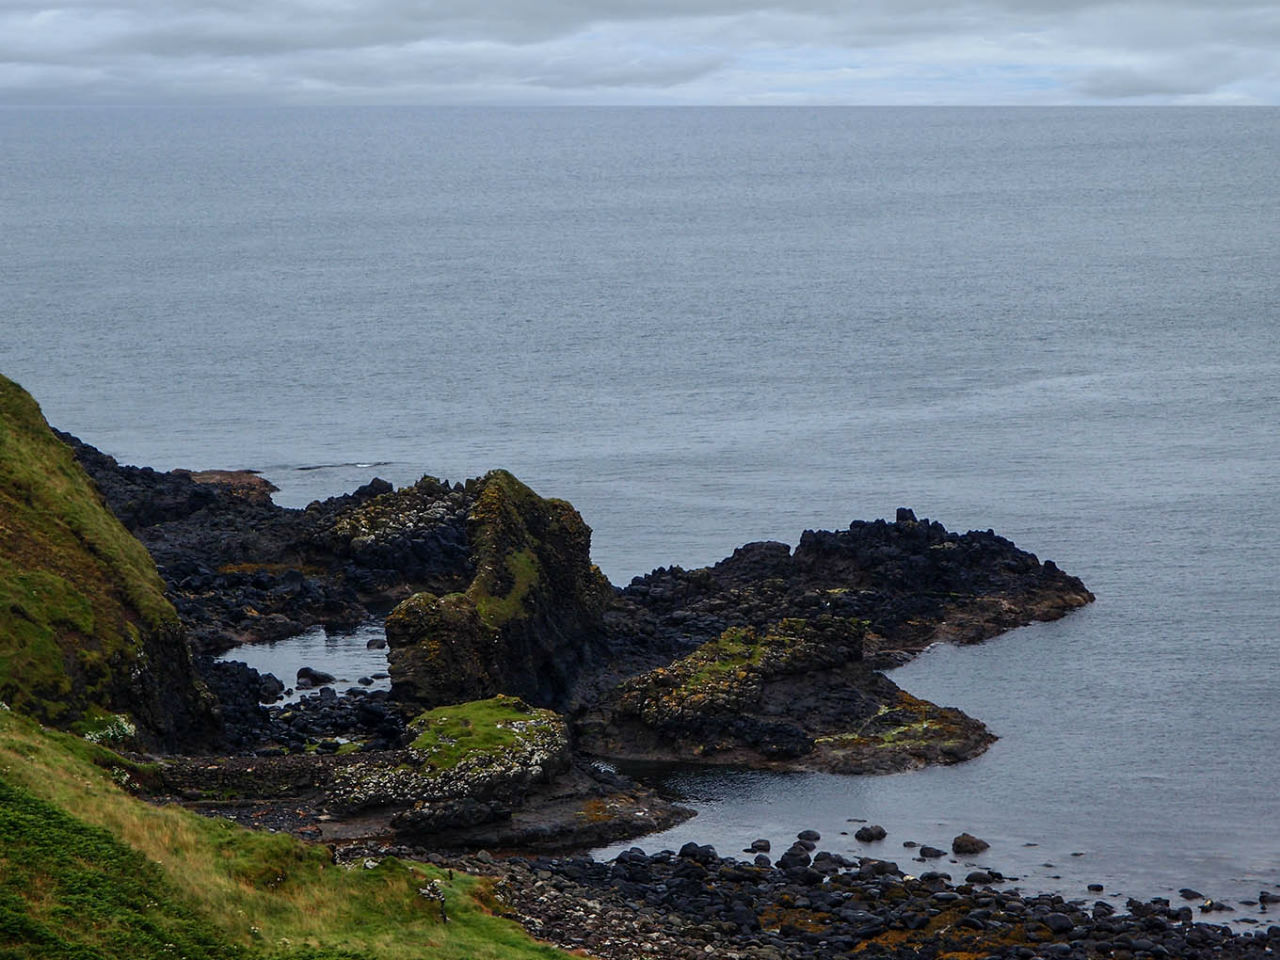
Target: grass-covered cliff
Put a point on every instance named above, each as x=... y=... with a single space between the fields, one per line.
x=86 y=633
x=88 y=871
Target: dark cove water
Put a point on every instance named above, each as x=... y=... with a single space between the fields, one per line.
x=710 y=326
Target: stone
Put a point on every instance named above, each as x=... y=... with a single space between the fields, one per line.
x=967 y=844
x=871 y=833
x=1058 y=922
x=310 y=678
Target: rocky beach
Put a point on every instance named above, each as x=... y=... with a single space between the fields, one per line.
x=518 y=675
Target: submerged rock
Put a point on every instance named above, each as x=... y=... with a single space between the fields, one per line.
x=967 y=844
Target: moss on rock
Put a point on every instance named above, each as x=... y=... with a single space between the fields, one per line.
x=795 y=693
x=727 y=675
x=525 y=623
x=84 y=623
x=478 y=752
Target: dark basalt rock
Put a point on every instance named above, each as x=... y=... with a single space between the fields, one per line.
x=309 y=677
x=913 y=582
x=529 y=621
x=239 y=568
x=720 y=663
x=795 y=693
x=693 y=904
x=967 y=844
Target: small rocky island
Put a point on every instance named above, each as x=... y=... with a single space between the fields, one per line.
x=518 y=671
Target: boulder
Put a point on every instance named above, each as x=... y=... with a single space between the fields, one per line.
x=967 y=844
x=309 y=678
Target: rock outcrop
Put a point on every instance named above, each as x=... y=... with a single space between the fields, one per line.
x=795 y=693
x=484 y=773
x=529 y=621
x=724 y=663
x=913 y=582
x=239 y=568
x=87 y=639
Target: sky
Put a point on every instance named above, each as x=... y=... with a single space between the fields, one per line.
x=640 y=51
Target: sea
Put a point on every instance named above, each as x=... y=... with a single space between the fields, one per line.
x=709 y=326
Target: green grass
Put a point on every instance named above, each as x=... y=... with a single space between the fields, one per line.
x=88 y=871
x=76 y=589
x=450 y=734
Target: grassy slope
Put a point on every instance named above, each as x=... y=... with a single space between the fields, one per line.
x=75 y=587
x=87 y=871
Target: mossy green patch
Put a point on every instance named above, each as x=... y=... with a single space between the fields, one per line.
x=727 y=672
x=522 y=573
x=448 y=735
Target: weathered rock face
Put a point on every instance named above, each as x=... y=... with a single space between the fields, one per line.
x=714 y=700
x=87 y=638
x=528 y=622
x=796 y=692
x=913 y=581
x=910 y=582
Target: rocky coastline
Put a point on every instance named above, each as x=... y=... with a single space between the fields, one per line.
x=770 y=658
x=517 y=672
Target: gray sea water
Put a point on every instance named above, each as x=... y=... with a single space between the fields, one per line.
x=710 y=326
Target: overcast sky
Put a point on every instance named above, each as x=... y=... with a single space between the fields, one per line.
x=640 y=51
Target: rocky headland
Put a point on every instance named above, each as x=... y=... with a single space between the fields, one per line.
x=770 y=658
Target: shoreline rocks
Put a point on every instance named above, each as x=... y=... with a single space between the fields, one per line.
x=694 y=903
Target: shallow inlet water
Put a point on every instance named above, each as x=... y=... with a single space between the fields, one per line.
x=705 y=327
x=346 y=656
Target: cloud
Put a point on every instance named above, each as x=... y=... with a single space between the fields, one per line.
x=658 y=51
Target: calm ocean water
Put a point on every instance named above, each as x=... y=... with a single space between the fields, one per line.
x=710 y=326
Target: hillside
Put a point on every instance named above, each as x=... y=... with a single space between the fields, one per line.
x=88 y=871
x=87 y=639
